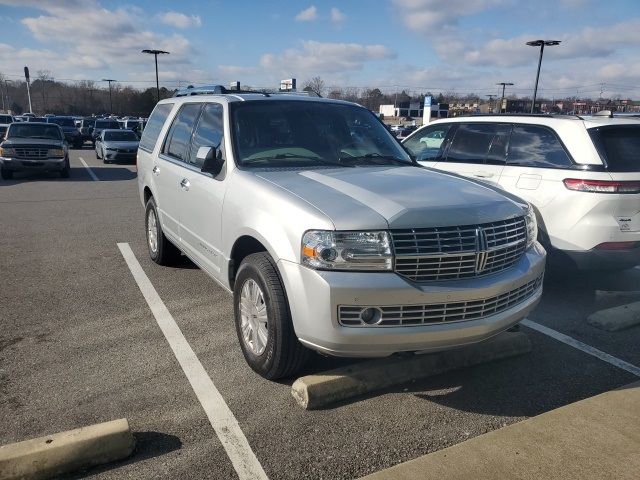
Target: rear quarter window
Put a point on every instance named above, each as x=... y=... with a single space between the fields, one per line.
x=536 y=146
x=151 y=132
x=619 y=147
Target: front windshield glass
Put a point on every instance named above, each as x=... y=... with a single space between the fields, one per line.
x=120 y=136
x=311 y=133
x=26 y=130
x=63 y=122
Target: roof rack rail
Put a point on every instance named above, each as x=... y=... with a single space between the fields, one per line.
x=544 y=115
x=211 y=90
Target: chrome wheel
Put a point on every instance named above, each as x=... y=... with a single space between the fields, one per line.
x=152 y=231
x=254 y=321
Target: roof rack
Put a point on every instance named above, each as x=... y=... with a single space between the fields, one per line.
x=544 y=115
x=211 y=90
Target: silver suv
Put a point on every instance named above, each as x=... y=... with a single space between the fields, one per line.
x=326 y=232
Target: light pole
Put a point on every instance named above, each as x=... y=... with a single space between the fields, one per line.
x=155 y=53
x=110 y=101
x=26 y=76
x=541 y=44
x=504 y=84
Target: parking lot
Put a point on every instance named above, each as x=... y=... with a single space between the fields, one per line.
x=80 y=345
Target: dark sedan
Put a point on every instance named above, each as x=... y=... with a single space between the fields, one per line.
x=33 y=146
x=70 y=130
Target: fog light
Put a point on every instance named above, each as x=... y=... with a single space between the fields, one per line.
x=370 y=315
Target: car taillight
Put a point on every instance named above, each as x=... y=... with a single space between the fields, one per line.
x=601 y=186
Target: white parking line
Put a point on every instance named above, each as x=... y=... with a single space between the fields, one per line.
x=561 y=337
x=93 y=175
x=224 y=423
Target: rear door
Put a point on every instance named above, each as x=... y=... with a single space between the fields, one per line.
x=477 y=150
x=201 y=205
x=619 y=148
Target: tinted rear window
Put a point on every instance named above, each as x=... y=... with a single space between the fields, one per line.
x=619 y=146
x=154 y=126
x=63 y=122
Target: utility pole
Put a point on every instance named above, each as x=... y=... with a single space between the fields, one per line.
x=110 y=100
x=504 y=84
x=26 y=76
x=541 y=44
x=156 y=53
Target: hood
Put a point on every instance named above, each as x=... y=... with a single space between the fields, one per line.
x=395 y=197
x=33 y=142
x=131 y=144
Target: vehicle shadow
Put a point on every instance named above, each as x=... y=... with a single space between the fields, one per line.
x=147 y=445
x=76 y=174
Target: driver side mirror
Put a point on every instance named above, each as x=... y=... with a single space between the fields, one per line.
x=211 y=159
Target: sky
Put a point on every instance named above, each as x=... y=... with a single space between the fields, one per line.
x=463 y=46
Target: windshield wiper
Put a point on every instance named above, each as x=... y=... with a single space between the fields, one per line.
x=282 y=156
x=377 y=158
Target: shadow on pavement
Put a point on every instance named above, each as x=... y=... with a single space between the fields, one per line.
x=77 y=174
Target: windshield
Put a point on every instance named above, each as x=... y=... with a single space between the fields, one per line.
x=620 y=147
x=63 y=122
x=123 y=136
x=26 y=130
x=107 y=124
x=310 y=133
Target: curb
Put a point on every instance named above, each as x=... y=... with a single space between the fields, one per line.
x=63 y=452
x=319 y=390
x=616 y=318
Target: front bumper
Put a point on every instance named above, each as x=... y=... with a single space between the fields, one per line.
x=42 y=164
x=596 y=259
x=315 y=297
x=122 y=156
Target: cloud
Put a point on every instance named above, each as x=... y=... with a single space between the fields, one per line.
x=315 y=58
x=235 y=70
x=337 y=16
x=180 y=20
x=307 y=15
x=421 y=15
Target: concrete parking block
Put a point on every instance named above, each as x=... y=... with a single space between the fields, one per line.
x=616 y=318
x=319 y=390
x=63 y=452
x=598 y=437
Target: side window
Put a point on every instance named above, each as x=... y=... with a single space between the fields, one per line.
x=209 y=131
x=471 y=142
x=427 y=144
x=179 y=136
x=534 y=146
x=154 y=126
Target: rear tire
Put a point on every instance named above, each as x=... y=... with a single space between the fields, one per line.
x=6 y=174
x=161 y=250
x=282 y=354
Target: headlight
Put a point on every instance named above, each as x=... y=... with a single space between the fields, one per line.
x=55 y=152
x=327 y=250
x=532 y=226
x=7 y=152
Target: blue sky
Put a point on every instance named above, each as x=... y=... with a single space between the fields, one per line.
x=438 y=45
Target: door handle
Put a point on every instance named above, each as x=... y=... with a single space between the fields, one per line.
x=156 y=170
x=184 y=184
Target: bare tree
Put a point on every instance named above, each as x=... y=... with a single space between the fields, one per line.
x=315 y=85
x=44 y=76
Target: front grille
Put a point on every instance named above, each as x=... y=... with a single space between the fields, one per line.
x=448 y=253
x=28 y=152
x=415 y=315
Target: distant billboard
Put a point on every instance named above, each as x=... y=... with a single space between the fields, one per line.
x=288 y=84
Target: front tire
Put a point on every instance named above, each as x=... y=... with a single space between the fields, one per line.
x=263 y=321
x=64 y=173
x=161 y=250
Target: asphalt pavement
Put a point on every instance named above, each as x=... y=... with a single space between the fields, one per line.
x=79 y=345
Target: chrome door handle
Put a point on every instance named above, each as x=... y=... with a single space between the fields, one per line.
x=184 y=184
x=156 y=170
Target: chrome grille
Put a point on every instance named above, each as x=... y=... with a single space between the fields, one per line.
x=447 y=253
x=415 y=315
x=31 y=152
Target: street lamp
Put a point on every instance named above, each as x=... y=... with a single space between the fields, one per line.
x=110 y=101
x=504 y=84
x=541 y=44
x=156 y=53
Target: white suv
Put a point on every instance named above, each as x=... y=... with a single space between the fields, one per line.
x=329 y=236
x=581 y=174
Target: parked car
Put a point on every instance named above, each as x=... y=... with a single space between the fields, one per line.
x=582 y=176
x=135 y=125
x=330 y=241
x=115 y=145
x=86 y=129
x=103 y=124
x=71 y=132
x=33 y=146
x=35 y=119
